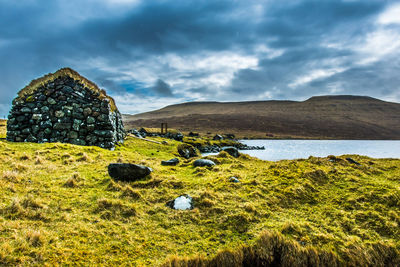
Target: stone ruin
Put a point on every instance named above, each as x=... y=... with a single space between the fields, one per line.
x=65 y=107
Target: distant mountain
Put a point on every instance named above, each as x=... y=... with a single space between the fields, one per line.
x=330 y=117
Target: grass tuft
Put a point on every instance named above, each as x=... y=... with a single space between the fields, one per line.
x=114 y=209
x=35 y=238
x=128 y=191
x=11 y=176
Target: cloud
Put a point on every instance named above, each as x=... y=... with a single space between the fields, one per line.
x=390 y=15
x=162 y=88
x=168 y=51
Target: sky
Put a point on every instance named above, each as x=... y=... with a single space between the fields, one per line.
x=148 y=54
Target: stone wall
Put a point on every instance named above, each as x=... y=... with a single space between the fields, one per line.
x=64 y=110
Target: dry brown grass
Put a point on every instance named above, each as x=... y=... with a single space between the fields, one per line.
x=35 y=238
x=273 y=249
x=128 y=191
x=11 y=176
x=113 y=208
x=73 y=181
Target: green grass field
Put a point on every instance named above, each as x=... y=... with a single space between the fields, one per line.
x=58 y=205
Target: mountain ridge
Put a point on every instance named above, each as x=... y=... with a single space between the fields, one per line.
x=319 y=117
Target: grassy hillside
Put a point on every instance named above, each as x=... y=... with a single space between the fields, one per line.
x=331 y=117
x=59 y=206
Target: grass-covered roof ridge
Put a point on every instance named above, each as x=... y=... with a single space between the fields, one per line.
x=35 y=84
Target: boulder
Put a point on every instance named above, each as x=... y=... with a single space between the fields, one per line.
x=353 y=161
x=187 y=151
x=143 y=130
x=233 y=151
x=230 y=136
x=127 y=171
x=218 y=137
x=171 y=162
x=192 y=134
x=184 y=202
x=178 y=137
x=203 y=162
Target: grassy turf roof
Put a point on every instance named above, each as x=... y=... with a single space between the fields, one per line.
x=35 y=84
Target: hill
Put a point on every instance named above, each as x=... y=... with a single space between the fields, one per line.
x=59 y=206
x=325 y=117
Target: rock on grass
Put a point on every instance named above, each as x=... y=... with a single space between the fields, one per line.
x=171 y=162
x=128 y=171
x=203 y=162
x=184 y=202
x=187 y=151
x=233 y=151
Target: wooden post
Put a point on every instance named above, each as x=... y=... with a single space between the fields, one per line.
x=164 y=125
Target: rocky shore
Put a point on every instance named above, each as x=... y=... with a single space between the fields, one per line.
x=142 y=133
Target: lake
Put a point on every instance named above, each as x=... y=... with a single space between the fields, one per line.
x=296 y=149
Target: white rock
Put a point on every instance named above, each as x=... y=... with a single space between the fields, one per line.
x=183 y=203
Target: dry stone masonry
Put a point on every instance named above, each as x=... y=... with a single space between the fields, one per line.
x=65 y=107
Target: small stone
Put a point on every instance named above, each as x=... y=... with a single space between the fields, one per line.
x=90 y=120
x=11 y=121
x=51 y=101
x=47 y=131
x=68 y=108
x=44 y=109
x=62 y=126
x=233 y=179
x=127 y=171
x=78 y=115
x=73 y=135
x=203 y=162
x=67 y=89
x=171 y=162
x=90 y=127
x=184 y=202
x=103 y=117
x=104 y=133
x=46 y=124
x=31 y=139
x=59 y=114
x=48 y=92
x=77 y=124
x=26 y=131
x=87 y=112
x=218 y=137
x=26 y=110
x=37 y=117
x=35 y=129
x=21 y=118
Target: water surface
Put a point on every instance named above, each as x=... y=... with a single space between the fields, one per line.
x=296 y=149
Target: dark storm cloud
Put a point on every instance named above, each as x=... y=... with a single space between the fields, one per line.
x=294 y=24
x=379 y=79
x=125 y=47
x=162 y=88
